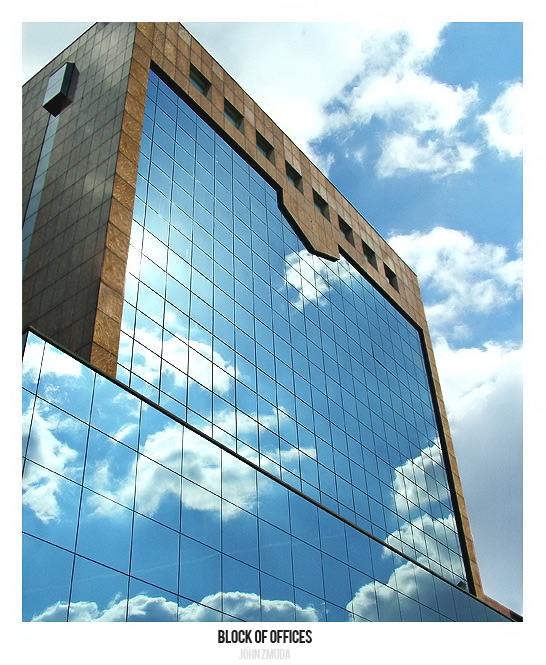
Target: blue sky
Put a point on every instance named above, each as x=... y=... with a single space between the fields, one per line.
x=419 y=125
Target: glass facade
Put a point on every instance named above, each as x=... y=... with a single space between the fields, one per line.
x=131 y=515
x=269 y=451
x=291 y=360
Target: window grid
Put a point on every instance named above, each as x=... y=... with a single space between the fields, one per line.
x=308 y=278
x=119 y=495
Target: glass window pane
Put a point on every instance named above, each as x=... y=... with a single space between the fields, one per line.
x=155 y=554
x=57 y=440
x=309 y=607
x=200 y=573
x=332 y=535
x=363 y=603
x=337 y=588
x=277 y=601
x=32 y=361
x=160 y=438
x=307 y=568
x=27 y=403
x=110 y=468
x=273 y=502
x=50 y=506
x=239 y=534
x=98 y=593
x=148 y=603
x=66 y=383
x=201 y=514
x=304 y=519
x=45 y=602
x=116 y=412
x=238 y=482
x=241 y=590
x=158 y=492
x=104 y=532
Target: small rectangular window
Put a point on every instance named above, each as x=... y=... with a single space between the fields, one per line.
x=199 y=81
x=294 y=177
x=320 y=204
x=389 y=274
x=369 y=254
x=264 y=147
x=233 y=115
x=346 y=231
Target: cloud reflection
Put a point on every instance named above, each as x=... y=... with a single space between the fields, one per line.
x=307 y=274
x=190 y=356
x=245 y=606
x=41 y=487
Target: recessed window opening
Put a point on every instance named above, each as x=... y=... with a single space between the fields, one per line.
x=264 y=147
x=294 y=177
x=199 y=81
x=345 y=230
x=369 y=254
x=58 y=92
x=233 y=115
x=389 y=274
x=320 y=204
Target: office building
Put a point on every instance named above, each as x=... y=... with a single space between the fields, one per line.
x=231 y=407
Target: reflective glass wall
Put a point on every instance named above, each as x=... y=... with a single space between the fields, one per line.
x=131 y=515
x=295 y=362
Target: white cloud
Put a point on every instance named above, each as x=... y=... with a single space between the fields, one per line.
x=347 y=74
x=187 y=355
x=48 y=362
x=203 y=464
x=305 y=272
x=504 y=122
x=351 y=73
x=423 y=539
x=414 y=99
x=41 y=488
x=415 y=585
x=245 y=606
x=416 y=480
x=328 y=55
x=405 y=152
x=463 y=275
x=483 y=389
